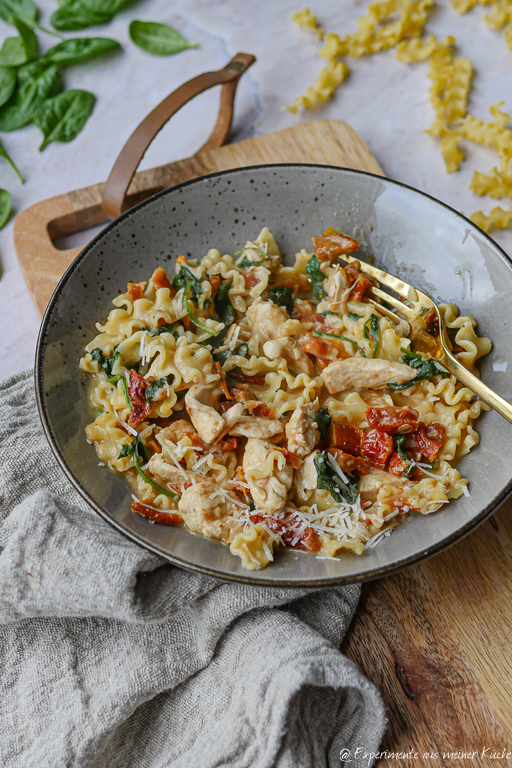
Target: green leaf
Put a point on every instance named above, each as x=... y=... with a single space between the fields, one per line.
x=316 y=278
x=22 y=10
x=186 y=278
x=323 y=421
x=63 y=117
x=18 y=50
x=159 y=39
x=7 y=84
x=223 y=306
x=37 y=81
x=105 y=362
x=73 y=16
x=354 y=316
x=372 y=332
x=165 y=491
x=221 y=357
x=127 y=450
x=328 y=479
x=5 y=207
x=426 y=369
x=8 y=158
x=104 y=6
x=342 y=338
x=283 y=297
x=246 y=263
x=17 y=9
x=79 y=49
x=153 y=388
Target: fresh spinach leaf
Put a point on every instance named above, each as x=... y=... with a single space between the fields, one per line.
x=105 y=6
x=426 y=369
x=7 y=84
x=22 y=10
x=16 y=51
x=283 y=297
x=246 y=263
x=316 y=278
x=328 y=480
x=5 y=207
x=105 y=362
x=371 y=330
x=159 y=39
x=8 y=158
x=73 y=16
x=223 y=306
x=37 y=81
x=323 y=421
x=79 y=49
x=63 y=117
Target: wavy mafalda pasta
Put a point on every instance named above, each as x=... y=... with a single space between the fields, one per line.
x=264 y=405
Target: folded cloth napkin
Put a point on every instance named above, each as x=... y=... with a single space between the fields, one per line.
x=111 y=657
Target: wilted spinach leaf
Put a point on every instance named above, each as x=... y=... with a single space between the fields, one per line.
x=105 y=362
x=316 y=278
x=327 y=479
x=323 y=421
x=426 y=369
x=283 y=297
x=223 y=306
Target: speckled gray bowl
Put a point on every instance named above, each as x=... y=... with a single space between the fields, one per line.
x=410 y=234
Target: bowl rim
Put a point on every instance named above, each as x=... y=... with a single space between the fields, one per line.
x=374 y=573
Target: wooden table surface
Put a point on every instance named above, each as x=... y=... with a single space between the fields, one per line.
x=436 y=640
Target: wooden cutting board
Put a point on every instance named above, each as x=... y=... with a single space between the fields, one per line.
x=435 y=639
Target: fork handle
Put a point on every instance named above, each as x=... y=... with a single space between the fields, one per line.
x=484 y=392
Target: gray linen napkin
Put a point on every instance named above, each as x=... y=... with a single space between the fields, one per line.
x=111 y=657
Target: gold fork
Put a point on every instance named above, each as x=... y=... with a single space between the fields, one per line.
x=419 y=304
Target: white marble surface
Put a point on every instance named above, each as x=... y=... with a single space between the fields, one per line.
x=384 y=100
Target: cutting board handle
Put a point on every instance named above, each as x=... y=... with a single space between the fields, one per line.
x=115 y=191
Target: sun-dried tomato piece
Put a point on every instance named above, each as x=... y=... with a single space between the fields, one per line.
x=332 y=244
x=429 y=439
x=139 y=407
x=432 y=322
x=346 y=437
x=215 y=281
x=397 y=465
x=292 y=459
x=227 y=444
x=160 y=280
x=239 y=376
x=349 y=463
x=251 y=279
x=376 y=447
x=135 y=290
x=358 y=289
x=167 y=518
x=290 y=530
x=392 y=419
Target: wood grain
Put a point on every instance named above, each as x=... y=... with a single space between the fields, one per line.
x=435 y=638
x=330 y=142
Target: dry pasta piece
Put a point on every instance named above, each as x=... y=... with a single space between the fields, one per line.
x=496 y=219
x=326 y=83
x=306 y=20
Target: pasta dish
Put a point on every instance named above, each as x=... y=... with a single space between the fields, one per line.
x=264 y=405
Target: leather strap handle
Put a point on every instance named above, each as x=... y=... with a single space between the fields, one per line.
x=116 y=187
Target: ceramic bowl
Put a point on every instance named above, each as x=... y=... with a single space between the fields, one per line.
x=409 y=233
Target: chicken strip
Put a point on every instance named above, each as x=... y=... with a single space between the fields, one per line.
x=256 y=426
x=292 y=352
x=363 y=372
x=301 y=431
x=265 y=319
x=208 y=510
x=270 y=492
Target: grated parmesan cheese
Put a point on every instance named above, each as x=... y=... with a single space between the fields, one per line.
x=465 y=491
